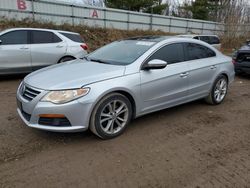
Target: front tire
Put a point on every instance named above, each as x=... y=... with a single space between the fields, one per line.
x=219 y=91
x=111 y=116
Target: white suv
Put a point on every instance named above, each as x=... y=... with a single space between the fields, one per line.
x=213 y=40
x=24 y=50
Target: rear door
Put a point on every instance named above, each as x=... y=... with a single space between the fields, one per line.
x=46 y=48
x=203 y=68
x=165 y=87
x=15 y=52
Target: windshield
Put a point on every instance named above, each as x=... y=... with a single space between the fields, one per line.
x=121 y=52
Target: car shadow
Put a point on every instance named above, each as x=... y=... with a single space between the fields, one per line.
x=12 y=77
x=64 y=137
x=244 y=76
x=138 y=123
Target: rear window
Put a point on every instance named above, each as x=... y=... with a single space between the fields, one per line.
x=44 y=37
x=73 y=37
x=197 y=51
x=214 y=40
x=205 y=39
x=210 y=39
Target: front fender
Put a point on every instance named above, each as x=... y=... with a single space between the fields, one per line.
x=128 y=83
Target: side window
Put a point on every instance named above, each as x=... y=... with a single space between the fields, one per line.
x=172 y=53
x=214 y=40
x=42 y=37
x=205 y=39
x=197 y=51
x=197 y=38
x=14 y=37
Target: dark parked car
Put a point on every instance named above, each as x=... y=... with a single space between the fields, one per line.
x=241 y=59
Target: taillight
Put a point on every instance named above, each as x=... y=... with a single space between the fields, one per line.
x=84 y=46
x=234 y=61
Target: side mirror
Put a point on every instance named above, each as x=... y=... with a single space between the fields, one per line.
x=155 y=64
x=0 y=42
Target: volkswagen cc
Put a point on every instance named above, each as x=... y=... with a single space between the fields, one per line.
x=121 y=81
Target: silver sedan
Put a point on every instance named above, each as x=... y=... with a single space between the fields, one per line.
x=121 y=81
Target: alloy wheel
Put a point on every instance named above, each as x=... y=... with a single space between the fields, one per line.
x=114 y=116
x=220 y=90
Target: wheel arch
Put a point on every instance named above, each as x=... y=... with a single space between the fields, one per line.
x=224 y=74
x=124 y=92
x=71 y=56
x=130 y=98
x=215 y=78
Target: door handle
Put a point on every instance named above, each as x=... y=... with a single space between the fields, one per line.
x=184 y=75
x=213 y=67
x=24 y=48
x=59 y=46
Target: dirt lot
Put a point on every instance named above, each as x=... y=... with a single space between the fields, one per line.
x=193 y=145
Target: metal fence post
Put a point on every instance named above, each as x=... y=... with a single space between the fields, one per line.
x=105 y=18
x=202 y=28
x=170 y=24
x=151 y=22
x=33 y=11
x=187 y=30
x=128 y=20
x=72 y=15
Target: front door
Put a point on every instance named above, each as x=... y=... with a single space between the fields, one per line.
x=166 y=87
x=15 y=52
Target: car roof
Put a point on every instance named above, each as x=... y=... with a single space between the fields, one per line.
x=194 y=35
x=245 y=48
x=150 y=38
x=40 y=29
x=168 y=39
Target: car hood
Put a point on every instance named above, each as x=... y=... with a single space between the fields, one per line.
x=73 y=74
x=245 y=48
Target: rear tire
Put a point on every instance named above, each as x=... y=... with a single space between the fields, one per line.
x=219 y=91
x=111 y=116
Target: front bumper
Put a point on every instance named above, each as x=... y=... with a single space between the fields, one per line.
x=77 y=112
x=51 y=128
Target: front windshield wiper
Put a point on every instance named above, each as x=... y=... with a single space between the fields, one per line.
x=97 y=60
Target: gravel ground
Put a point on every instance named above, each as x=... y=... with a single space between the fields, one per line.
x=192 y=145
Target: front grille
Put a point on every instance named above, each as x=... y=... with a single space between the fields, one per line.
x=58 y=122
x=29 y=93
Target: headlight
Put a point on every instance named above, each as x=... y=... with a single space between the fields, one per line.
x=64 y=96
